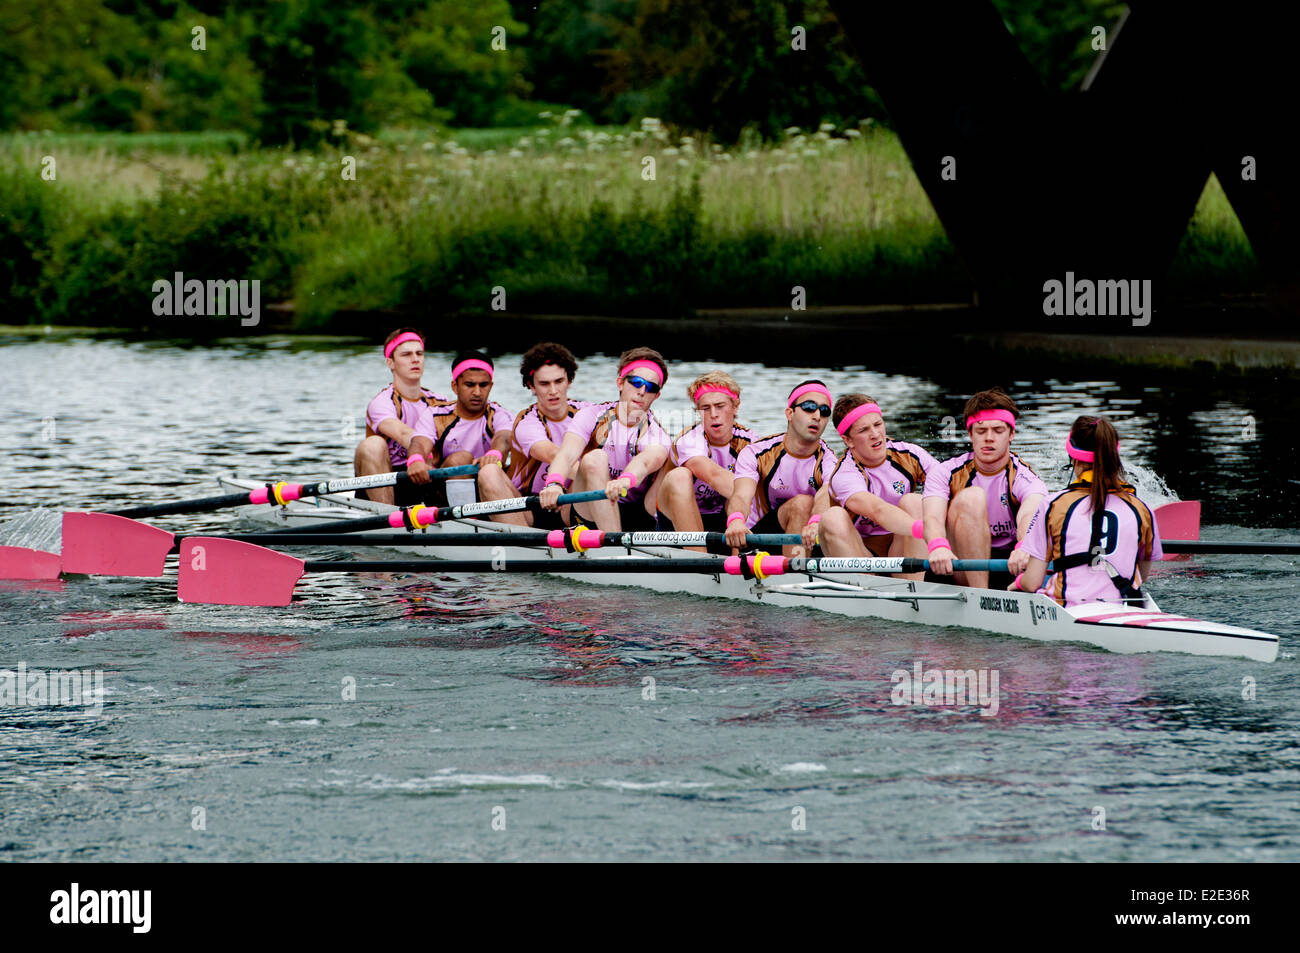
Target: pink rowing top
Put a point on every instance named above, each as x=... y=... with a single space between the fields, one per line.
x=390 y=405
x=693 y=443
x=904 y=471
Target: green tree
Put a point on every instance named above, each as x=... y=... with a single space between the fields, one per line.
x=447 y=48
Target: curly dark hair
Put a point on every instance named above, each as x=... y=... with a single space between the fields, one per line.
x=547 y=352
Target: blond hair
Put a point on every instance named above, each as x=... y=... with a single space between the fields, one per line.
x=715 y=379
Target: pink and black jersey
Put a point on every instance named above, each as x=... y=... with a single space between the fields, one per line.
x=1062 y=531
x=599 y=426
x=903 y=472
x=1004 y=490
x=781 y=475
x=388 y=404
x=693 y=443
x=527 y=472
x=441 y=422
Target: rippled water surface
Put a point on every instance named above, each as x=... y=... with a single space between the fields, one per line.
x=612 y=724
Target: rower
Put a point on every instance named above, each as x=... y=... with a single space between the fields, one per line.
x=875 y=490
x=469 y=429
x=390 y=420
x=691 y=493
x=547 y=370
x=1099 y=537
x=778 y=475
x=616 y=446
x=985 y=499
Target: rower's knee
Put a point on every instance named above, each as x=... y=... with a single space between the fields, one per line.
x=836 y=524
x=458 y=459
x=969 y=502
x=678 y=485
x=371 y=453
x=493 y=484
x=910 y=503
x=794 y=512
x=595 y=466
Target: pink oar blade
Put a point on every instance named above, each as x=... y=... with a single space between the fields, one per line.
x=230 y=573
x=17 y=562
x=1181 y=520
x=99 y=544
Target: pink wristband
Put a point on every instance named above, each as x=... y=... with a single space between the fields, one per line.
x=735 y=516
x=938 y=543
x=556 y=478
x=1019 y=543
x=415 y=458
x=814 y=519
x=631 y=477
x=494 y=453
x=1015 y=583
x=918 y=529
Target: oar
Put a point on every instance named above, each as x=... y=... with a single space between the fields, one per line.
x=102 y=544
x=95 y=543
x=413 y=517
x=220 y=571
x=580 y=540
x=277 y=494
x=1228 y=548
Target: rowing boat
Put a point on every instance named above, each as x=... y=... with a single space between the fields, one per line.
x=1117 y=628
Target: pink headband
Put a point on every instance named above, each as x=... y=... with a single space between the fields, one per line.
x=650 y=365
x=854 y=414
x=1006 y=416
x=392 y=345
x=1083 y=456
x=471 y=364
x=713 y=389
x=808 y=389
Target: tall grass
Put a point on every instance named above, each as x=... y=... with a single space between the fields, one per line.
x=564 y=218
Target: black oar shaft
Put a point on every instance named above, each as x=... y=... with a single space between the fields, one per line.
x=1229 y=548
x=518 y=565
x=391 y=539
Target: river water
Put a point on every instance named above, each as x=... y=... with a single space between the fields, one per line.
x=426 y=717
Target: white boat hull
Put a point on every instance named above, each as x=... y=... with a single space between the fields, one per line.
x=1113 y=627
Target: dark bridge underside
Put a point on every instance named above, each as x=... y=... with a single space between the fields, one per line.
x=1101 y=183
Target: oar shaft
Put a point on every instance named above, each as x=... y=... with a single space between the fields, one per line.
x=428 y=515
x=289 y=492
x=703 y=564
x=1229 y=548
x=390 y=539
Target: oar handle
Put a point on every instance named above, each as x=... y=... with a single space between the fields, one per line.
x=280 y=493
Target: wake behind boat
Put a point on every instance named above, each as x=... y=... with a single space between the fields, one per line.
x=1031 y=615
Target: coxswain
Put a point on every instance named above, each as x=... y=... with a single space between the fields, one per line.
x=982 y=500
x=390 y=422
x=777 y=476
x=1098 y=535
x=875 y=490
x=547 y=370
x=617 y=447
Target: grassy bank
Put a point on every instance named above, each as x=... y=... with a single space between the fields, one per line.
x=563 y=218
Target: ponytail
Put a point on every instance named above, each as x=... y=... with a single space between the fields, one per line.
x=1096 y=434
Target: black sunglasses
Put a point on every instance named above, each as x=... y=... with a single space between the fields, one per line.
x=638 y=382
x=811 y=406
